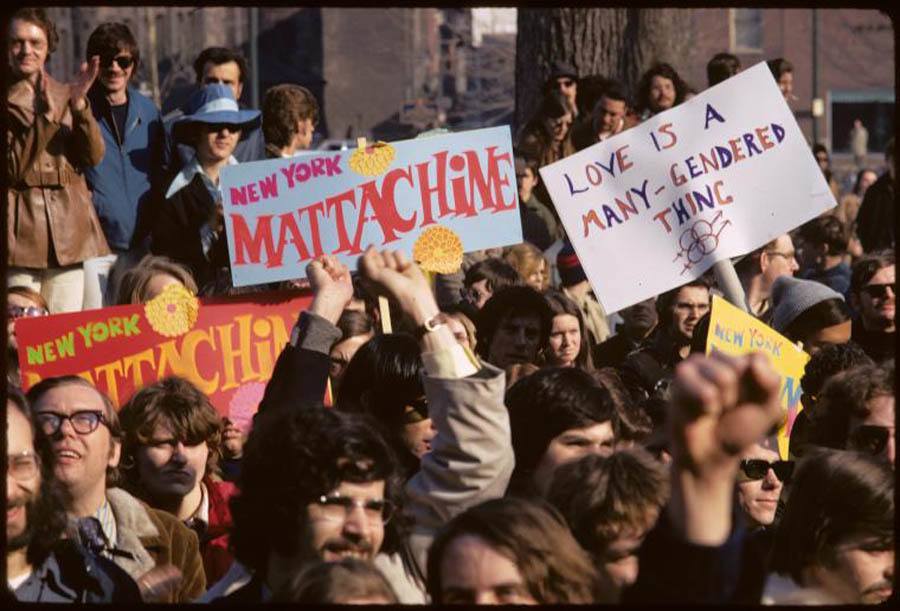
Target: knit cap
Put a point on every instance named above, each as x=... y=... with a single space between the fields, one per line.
x=569 y=267
x=793 y=296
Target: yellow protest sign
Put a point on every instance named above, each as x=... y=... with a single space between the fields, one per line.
x=735 y=332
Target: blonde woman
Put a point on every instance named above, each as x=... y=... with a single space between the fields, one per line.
x=530 y=264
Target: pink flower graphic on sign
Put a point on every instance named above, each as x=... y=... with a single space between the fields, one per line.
x=244 y=403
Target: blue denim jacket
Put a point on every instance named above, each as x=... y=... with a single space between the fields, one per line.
x=127 y=182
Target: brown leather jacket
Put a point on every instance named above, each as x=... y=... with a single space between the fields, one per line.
x=51 y=221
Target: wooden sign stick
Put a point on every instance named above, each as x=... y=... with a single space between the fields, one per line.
x=383 y=308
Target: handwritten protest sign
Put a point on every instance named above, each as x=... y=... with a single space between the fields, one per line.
x=715 y=177
x=280 y=213
x=226 y=346
x=735 y=332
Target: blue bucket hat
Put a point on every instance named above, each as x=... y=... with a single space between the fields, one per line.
x=212 y=105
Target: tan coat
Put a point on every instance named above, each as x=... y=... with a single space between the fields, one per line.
x=51 y=221
x=152 y=538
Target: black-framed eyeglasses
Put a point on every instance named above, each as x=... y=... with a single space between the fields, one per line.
x=14 y=311
x=336 y=508
x=83 y=421
x=870 y=439
x=124 y=61
x=23 y=467
x=756 y=468
x=878 y=291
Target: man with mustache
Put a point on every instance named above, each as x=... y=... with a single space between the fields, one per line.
x=171 y=454
x=41 y=565
x=647 y=369
x=153 y=547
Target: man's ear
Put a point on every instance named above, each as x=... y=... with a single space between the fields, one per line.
x=115 y=453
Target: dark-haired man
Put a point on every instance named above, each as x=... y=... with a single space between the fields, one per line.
x=42 y=565
x=513 y=326
x=722 y=66
x=646 y=371
x=824 y=249
x=873 y=288
x=835 y=544
x=875 y=224
x=485 y=278
x=638 y=322
x=123 y=184
x=609 y=113
x=226 y=67
x=557 y=415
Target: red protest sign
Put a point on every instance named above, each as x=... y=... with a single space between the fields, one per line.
x=228 y=350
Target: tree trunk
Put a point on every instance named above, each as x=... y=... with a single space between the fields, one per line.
x=617 y=43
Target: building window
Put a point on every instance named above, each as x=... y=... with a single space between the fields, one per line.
x=746 y=28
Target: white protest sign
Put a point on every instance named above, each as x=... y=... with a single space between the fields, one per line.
x=713 y=178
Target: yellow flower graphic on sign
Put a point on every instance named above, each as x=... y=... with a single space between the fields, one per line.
x=439 y=250
x=373 y=160
x=173 y=312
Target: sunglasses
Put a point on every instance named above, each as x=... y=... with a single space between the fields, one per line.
x=565 y=83
x=756 y=468
x=418 y=413
x=870 y=439
x=215 y=128
x=878 y=291
x=14 y=311
x=124 y=61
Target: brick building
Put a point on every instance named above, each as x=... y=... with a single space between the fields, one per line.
x=854 y=63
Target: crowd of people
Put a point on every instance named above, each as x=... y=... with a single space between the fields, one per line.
x=508 y=442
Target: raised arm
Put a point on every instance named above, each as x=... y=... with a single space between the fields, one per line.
x=720 y=406
x=471 y=459
x=301 y=372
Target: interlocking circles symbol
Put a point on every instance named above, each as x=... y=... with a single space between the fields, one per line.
x=699 y=240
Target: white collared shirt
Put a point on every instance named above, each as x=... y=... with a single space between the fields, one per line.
x=187 y=173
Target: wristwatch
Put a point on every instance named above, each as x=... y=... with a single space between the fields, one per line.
x=429 y=325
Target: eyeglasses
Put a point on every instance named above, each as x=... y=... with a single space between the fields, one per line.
x=757 y=468
x=23 y=467
x=336 y=508
x=83 y=421
x=15 y=311
x=565 y=83
x=786 y=255
x=878 y=291
x=124 y=61
x=870 y=439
